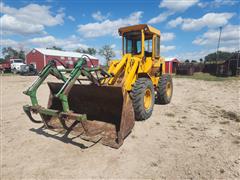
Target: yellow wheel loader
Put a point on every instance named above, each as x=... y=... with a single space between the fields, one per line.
x=105 y=109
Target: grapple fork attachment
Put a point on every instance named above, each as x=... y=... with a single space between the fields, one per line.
x=109 y=112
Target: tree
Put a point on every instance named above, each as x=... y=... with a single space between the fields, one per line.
x=21 y=54
x=201 y=60
x=221 y=56
x=9 y=52
x=80 y=50
x=107 y=52
x=90 y=51
x=55 y=48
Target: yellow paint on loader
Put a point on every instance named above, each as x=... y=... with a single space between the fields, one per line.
x=135 y=65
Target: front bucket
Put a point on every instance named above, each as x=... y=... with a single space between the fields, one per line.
x=109 y=112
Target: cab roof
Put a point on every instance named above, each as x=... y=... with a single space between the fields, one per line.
x=138 y=27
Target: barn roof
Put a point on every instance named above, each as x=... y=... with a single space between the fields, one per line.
x=173 y=59
x=51 y=52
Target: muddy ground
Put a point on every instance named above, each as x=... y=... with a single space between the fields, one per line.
x=196 y=136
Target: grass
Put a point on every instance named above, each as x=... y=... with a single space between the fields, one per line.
x=8 y=74
x=207 y=77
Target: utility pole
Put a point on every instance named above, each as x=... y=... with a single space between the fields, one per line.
x=219 y=39
x=238 y=58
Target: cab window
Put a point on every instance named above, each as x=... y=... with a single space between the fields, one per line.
x=157 y=46
x=132 y=42
x=148 y=47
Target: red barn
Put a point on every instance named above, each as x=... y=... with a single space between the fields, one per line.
x=171 y=65
x=39 y=57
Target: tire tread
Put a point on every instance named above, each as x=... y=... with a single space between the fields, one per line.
x=137 y=94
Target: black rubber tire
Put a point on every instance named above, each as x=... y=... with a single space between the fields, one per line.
x=162 y=97
x=137 y=95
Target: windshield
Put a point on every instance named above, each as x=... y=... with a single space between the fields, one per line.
x=132 y=42
x=148 y=47
x=18 y=61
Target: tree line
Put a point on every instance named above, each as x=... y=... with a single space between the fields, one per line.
x=216 y=56
x=221 y=56
x=108 y=53
x=9 y=52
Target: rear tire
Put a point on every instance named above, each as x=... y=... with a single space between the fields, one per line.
x=143 y=98
x=164 y=89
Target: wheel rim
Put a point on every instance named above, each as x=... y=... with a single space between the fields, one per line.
x=147 y=99
x=169 y=89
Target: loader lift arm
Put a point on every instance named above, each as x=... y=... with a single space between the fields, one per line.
x=73 y=77
x=50 y=68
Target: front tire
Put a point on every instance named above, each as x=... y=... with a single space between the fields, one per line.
x=143 y=98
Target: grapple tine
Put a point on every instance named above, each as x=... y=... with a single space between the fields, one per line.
x=27 y=110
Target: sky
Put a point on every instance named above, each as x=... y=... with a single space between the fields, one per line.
x=189 y=28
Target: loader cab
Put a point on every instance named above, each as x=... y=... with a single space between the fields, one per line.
x=140 y=40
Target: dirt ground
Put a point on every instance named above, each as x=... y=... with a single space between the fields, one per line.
x=196 y=136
